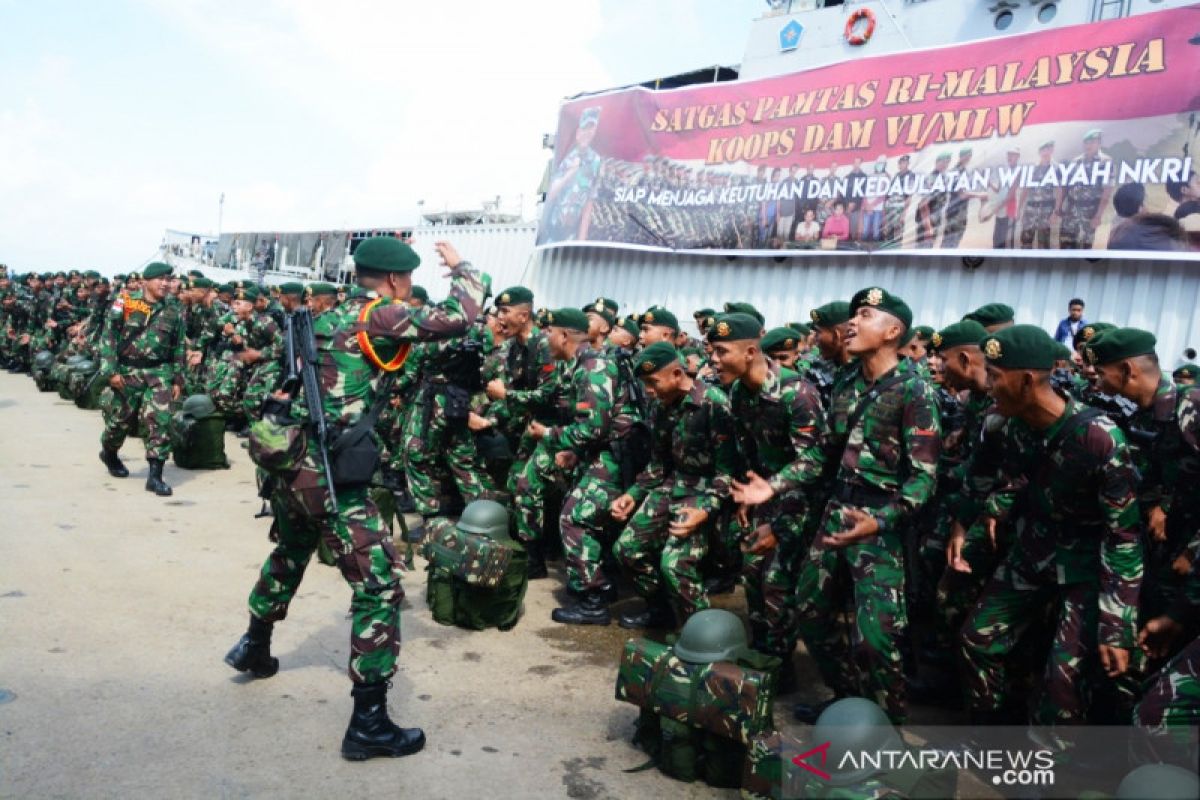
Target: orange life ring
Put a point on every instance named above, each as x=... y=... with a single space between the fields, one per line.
x=857 y=39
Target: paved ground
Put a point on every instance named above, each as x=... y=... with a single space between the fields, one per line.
x=116 y=608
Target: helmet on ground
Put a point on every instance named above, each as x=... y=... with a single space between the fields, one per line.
x=43 y=360
x=486 y=518
x=711 y=635
x=1160 y=781
x=198 y=406
x=854 y=725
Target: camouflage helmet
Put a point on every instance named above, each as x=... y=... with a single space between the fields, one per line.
x=72 y=360
x=854 y=725
x=711 y=635
x=43 y=361
x=85 y=367
x=1165 y=781
x=198 y=406
x=486 y=518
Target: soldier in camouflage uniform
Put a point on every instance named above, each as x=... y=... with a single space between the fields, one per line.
x=780 y=431
x=573 y=186
x=1039 y=205
x=1164 y=441
x=353 y=531
x=262 y=358
x=885 y=436
x=1083 y=205
x=1070 y=495
x=142 y=357
x=679 y=496
x=603 y=413
x=247 y=333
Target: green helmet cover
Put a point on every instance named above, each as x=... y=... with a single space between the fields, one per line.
x=712 y=635
x=854 y=725
x=198 y=406
x=1165 y=781
x=486 y=518
x=43 y=360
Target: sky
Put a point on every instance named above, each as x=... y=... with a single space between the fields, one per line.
x=121 y=119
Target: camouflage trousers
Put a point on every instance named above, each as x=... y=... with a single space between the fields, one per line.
x=958 y=592
x=436 y=451
x=261 y=380
x=1169 y=712
x=872 y=572
x=361 y=547
x=583 y=519
x=652 y=557
x=195 y=380
x=226 y=384
x=1076 y=231
x=143 y=406
x=527 y=485
x=1007 y=608
x=770 y=580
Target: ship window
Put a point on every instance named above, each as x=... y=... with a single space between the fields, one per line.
x=1047 y=12
x=1003 y=20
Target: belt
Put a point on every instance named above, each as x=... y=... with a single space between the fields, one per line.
x=864 y=496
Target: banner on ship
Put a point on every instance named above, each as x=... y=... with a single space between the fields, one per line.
x=1076 y=140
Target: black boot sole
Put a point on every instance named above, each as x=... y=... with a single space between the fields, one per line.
x=163 y=492
x=577 y=620
x=357 y=751
x=255 y=669
x=116 y=473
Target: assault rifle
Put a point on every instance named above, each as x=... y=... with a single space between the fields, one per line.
x=301 y=346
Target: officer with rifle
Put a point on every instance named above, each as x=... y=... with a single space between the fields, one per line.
x=321 y=451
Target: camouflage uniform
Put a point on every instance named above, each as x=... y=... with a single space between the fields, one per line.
x=1080 y=205
x=438 y=446
x=354 y=533
x=692 y=458
x=781 y=436
x=888 y=467
x=1040 y=202
x=144 y=344
x=601 y=413
x=263 y=376
x=1076 y=550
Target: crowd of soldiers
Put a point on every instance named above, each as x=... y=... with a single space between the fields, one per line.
x=975 y=516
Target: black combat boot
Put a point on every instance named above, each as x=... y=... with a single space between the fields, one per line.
x=591 y=610
x=371 y=732
x=657 y=614
x=536 y=560
x=116 y=467
x=252 y=653
x=154 y=481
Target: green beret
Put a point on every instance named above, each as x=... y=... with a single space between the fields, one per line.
x=320 y=290
x=781 y=339
x=803 y=327
x=1118 y=344
x=734 y=327
x=356 y=291
x=156 y=269
x=195 y=273
x=690 y=351
x=386 y=254
x=91 y=273
x=1046 y=144
x=119 y=276
x=992 y=314
x=514 y=296
x=960 y=333
x=923 y=332
x=883 y=300
x=745 y=308
x=830 y=314
x=1186 y=371
x=1089 y=331
x=292 y=287
x=569 y=318
x=1094 y=133
x=1061 y=352
x=1019 y=347
x=909 y=335
x=226 y=288
x=250 y=293
x=202 y=283
x=655 y=357
x=660 y=316
x=702 y=313
x=630 y=324
x=419 y=293
x=604 y=307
